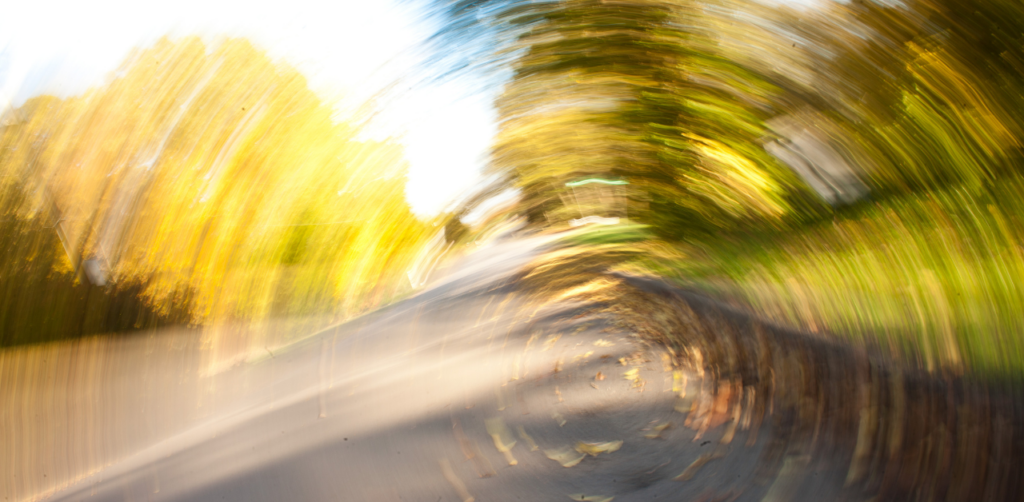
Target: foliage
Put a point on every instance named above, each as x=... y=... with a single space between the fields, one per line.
x=649 y=97
x=908 y=113
x=924 y=98
x=217 y=179
x=931 y=278
x=40 y=301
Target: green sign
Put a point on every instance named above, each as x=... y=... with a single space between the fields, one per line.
x=596 y=180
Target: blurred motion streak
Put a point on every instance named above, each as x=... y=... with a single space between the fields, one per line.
x=212 y=181
x=845 y=168
x=772 y=240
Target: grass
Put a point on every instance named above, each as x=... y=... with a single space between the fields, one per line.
x=622 y=233
x=933 y=279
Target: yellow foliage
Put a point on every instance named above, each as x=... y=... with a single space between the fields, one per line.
x=733 y=181
x=215 y=172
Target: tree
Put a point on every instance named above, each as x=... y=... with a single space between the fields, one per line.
x=214 y=176
x=639 y=90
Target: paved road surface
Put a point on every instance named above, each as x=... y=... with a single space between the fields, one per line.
x=463 y=392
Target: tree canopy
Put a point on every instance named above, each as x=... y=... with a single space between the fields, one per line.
x=213 y=175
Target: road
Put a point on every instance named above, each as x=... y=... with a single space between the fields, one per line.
x=466 y=391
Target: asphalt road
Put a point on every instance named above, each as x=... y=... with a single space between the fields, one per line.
x=463 y=392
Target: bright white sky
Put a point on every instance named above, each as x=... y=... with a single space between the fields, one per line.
x=346 y=48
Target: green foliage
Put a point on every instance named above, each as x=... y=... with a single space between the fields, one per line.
x=603 y=235
x=932 y=278
x=920 y=99
x=649 y=97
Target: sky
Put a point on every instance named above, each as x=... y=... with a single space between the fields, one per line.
x=348 y=49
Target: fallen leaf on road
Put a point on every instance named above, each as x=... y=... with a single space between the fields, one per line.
x=634 y=375
x=483 y=467
x=593 y=449
x=656 y=433
x=666 y=362
x=526 y=437
x=558 y=418
x=565 y=455
x=683 y=405
x=502 y=438
x=499 y=431
x=696 y=465
x=679 y=383
x=460 y=487
x=582 y=356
